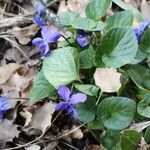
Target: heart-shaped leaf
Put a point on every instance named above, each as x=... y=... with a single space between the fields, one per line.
x=116 y=113
x=118 y=48
x=62 y=66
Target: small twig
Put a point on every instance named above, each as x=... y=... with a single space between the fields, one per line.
x=71 y=146
x=52 y=2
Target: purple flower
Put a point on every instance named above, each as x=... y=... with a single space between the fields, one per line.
x=141 y=29
x=4 y=105
x=82 y=38
x=70 y=100
x=48 y=36
x=40 y=13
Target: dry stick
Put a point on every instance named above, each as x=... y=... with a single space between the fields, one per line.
x=52 y=2
x=56 y=138
x=71 y=146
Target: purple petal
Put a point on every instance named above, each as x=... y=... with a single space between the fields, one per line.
x=43 y=45
x=67 y=107
x=4 y=105
x=81 y=32
x=72 y=111
x=78 y=98
x=37 y=41
x=41 y=9
x=39 y=20
x=64 y=92
x=49 y=35
x=82 y=41
x=1 y=114
x=44 y=48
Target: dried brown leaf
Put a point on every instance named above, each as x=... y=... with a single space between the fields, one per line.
x=8 y=131
x=41 y=119
x=107 y=79
x=145 y=9
x=6 y=71
x=76 y=6
x=24 y=35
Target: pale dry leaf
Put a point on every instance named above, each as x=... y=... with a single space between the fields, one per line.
x=108 y=79
x=8 y=131
x=18 y=85
x=27 y=115
x=77 y=134
x=6 y=71
x=51 y=146
x=76 y=6
x=41 y=119
x=62 y=7
x=143 y=145
x=24 y=35
x=33 y=147
x=140 y=126
x=145 y=9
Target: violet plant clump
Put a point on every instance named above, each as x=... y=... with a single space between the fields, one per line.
x=119 y=49
x=4 y=105
x=69 y=100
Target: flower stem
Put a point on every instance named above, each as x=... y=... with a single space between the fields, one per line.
x=100 y=94
x=66 y=39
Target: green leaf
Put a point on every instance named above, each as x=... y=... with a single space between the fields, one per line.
x=140 y=56
x=147 y=135
x=143 y=107
x=67 y=17
x=130 y=139
x=86 y=58
x=95 y=125
x=62 y=66
x=41 y=88
x=110 y=139
x=145 y=42
x=87 y=110
x=97 y=8
x=88 y=89
x=126 y=6
x=83 y=23
x=116 y=112
x=118 y=48
x=123 y=18
x=99 y=26
x=140 y=76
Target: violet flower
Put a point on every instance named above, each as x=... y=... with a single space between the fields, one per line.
x=40 y=13
x=4 y=105
x=70 y=100
x=141 y=29
x=82 y=38
x=48 y=36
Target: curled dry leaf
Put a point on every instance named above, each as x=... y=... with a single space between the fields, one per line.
x=24 y=35
x=77 y=134
x=18 y=82
x=107 y=79
x=76 y=6
x=33 y=147
x=6 y=71
x=8 y=131
x=145 y=9
x=41 y=119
